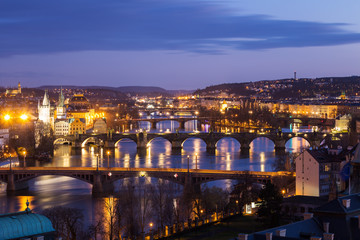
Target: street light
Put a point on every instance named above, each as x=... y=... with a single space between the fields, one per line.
x=188 y=162
x=7 y=117
x=24 y=117
x=24 y=154
x=196 y=167
x=108 y=155
x=97 y=162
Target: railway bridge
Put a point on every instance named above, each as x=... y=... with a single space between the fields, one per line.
x=102 y=179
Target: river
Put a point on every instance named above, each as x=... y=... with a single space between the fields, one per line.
x=48 y=191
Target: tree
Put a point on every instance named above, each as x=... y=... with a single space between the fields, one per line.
x=213 y=199
x=269 y=210
x=244 y=193
x=163 y=203
x=66 y=221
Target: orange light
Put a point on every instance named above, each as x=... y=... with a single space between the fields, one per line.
x=7 y=117
x=24 y=116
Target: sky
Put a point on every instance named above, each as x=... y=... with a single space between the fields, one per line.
x=177 y=44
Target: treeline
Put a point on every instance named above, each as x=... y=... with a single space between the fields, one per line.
x=138 y=209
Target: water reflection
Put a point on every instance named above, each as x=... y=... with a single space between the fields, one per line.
x=48 y=191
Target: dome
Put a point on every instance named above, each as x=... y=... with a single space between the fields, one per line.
x=78 y=99
x=78 y=103
x=22 y=224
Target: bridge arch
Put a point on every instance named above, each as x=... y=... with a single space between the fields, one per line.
x=235 y=142
x=191 y=138
x=61 y=141
x=124 y=139
x=262 y=141
x=156 y=139
x=88 y=178
x=297 y=145
x=87 y=140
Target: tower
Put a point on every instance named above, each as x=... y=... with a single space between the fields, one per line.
x=295 y=76
x=19 y=88
x=60 y=108
x=44 y=109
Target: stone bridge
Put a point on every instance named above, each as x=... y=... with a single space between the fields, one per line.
x=181 y=121
x=143 y=139
x=102 y=179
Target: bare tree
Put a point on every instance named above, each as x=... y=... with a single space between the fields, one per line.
x=66 y=221
x=164 y=203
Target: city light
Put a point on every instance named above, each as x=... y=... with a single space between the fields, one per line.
x=24 y=116
x=7 y=117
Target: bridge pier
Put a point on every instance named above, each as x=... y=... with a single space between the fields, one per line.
x=13 y=186
x=280 y=146
x=141 y=142
x=76 y=144
x=176 y=144
x=198 y=125
x=100 y=185
x=211 y=147
x=153 y=125
x=245 y=150
x=109 y=144
x=182 y=125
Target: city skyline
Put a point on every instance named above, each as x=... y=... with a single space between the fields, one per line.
x=178 y=45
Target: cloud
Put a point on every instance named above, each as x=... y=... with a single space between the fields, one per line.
x=40 y=26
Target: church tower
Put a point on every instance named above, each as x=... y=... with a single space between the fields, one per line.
x=19 y=88
x=44 y=109
x=60 y=108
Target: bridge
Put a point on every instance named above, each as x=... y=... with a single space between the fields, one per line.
x=144 y=139
x=102 y=179
x=165 y=110
x=181 y=121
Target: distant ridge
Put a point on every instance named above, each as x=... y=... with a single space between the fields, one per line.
x=124 y=89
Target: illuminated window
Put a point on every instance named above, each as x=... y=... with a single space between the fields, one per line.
x=327 y=167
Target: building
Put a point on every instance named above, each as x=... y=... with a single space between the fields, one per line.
x=60 y=108
x=77 y=126
x=44 y=109
x=79 y=107
x=62 y=127
x=318 y=171
x=342 y=123
x=336 y=220
x=13 y=92
x=100 y=126
x=25 y=225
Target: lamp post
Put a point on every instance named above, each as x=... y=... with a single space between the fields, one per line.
x=97 y=162
x=188 y=162
x=108 y=155
x=10 y=162
x=24 y=154
x=196 y=166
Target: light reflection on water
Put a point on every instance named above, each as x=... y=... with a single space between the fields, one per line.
x=48 y=191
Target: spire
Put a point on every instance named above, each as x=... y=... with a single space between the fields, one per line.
x=61 y=99
x=46 y=101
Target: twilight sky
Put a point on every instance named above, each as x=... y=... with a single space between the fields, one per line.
x=177 y=44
